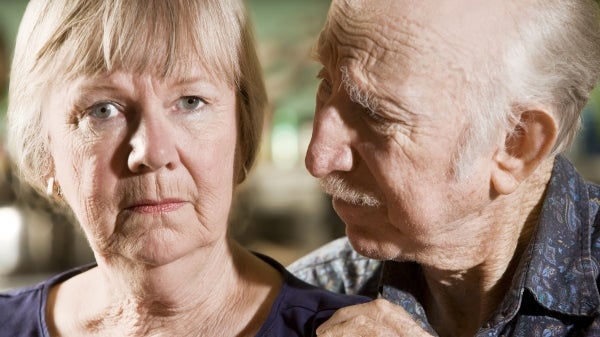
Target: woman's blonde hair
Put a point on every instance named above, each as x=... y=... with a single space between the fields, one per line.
x=61 y=40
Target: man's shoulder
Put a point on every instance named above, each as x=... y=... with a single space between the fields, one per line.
x=594 y=192
x=594 y=220
x=337 y=267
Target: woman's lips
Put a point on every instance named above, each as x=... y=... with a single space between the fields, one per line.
x=153 y=207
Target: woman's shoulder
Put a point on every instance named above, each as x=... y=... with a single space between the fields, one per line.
x=311 y=298
x=22 y=310
x=300 y=307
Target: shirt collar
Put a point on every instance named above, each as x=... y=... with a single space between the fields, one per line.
x=557 y=268
x=561 y=273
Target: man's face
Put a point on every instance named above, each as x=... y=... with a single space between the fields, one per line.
x=389 y=122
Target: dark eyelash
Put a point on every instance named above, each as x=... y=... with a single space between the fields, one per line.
x=99 y=103
x=374 y=115
x=195 y=97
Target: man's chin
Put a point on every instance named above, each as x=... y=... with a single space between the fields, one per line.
x=368 y=246
x=367 y=242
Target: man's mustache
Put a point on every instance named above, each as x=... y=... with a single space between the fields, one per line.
x=339 y=189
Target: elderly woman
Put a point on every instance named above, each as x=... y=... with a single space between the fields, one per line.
x=142 y=117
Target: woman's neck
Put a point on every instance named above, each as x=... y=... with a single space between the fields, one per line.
x=225 y=288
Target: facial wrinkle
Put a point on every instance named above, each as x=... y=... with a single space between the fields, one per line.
x=373 y=54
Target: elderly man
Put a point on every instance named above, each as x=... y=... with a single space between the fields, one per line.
x=437 y=132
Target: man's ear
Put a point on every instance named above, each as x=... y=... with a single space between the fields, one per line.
x=526 y=146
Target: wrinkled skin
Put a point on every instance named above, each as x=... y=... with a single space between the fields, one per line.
x=390 y=122
x=148 y=173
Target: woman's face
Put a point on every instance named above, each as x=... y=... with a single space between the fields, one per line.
x=146 y=164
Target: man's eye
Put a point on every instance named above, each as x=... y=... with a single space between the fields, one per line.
x=324 y=89
x=190 y=103
x=374 y=115
x=104 y=110
x=325 y=86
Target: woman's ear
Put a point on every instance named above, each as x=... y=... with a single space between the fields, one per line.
x=52 y=187
x=527 y=145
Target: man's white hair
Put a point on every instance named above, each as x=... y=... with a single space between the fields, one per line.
x=551 y=60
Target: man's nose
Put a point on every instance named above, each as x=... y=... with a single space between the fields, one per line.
x=330 y=145
x=153 y=145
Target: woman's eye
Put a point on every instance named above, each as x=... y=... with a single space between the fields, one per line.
x=190 y=103
x=104 y=110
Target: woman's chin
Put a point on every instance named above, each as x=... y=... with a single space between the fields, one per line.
x=156 y=247
x=156 y=255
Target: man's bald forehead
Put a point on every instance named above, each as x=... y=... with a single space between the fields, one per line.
x=470 y=27
x=456 y=14
x=366 y=8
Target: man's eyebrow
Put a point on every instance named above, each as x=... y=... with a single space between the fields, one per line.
x=325 y=49
x=356 y=94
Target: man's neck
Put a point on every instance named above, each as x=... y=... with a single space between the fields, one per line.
x=458 y=302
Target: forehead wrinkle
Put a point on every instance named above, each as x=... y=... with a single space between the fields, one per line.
x=322 y=47
x=411 y=48
x=371 y=38
x=364 y=58
x=327 y=51
x=401 y=45
x=403 y=35
x=426 y=26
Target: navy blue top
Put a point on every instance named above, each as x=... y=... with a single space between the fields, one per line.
x=298 y=310
x=554 y=291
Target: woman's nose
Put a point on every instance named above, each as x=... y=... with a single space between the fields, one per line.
x=153 y=145
x=329 y=149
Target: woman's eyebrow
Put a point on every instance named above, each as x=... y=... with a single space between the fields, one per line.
x=205 y=80
x=88 y=91
x=86 y=88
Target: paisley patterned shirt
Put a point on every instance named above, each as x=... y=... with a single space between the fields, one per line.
x=554 y=291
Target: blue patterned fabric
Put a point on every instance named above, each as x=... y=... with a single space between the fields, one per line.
x=554 y=291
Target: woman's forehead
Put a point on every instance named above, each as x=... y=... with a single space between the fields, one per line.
x=196 y=70
x=153 y=43
x=195 y=76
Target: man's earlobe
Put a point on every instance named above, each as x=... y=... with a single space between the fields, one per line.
x=526 y=147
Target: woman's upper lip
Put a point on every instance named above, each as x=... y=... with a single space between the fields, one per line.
x=144 y=202
x=152 y=206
